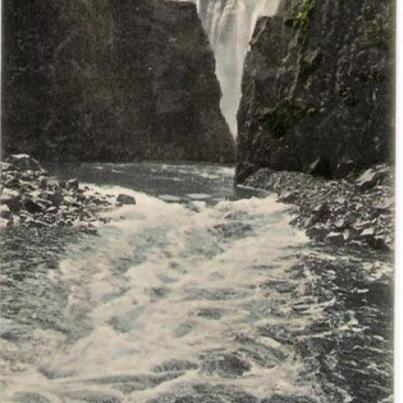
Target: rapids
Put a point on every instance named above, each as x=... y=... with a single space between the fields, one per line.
x=201 y=292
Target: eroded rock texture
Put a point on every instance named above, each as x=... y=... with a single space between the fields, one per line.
x=110 y=80
x=316 y=89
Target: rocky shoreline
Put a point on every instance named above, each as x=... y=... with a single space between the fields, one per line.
x=357 y=211
x=30 y=197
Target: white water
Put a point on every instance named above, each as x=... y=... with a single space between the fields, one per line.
x=151 y=311
x=173 y=286
x=229 y=25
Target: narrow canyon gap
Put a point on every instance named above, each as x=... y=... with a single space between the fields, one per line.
x=229 y=25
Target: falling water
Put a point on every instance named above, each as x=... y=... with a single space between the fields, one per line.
x=229 y=25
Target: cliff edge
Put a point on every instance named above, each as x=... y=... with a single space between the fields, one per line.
x=317 y=93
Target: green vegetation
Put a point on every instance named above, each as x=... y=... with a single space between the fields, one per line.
x=301 y=22
x=282 y=117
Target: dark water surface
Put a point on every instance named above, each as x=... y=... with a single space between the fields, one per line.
x=199 y=293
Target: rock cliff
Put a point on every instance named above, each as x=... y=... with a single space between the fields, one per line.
x=110 y=80
x=317 y=94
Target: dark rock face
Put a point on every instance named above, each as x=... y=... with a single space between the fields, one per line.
x=316 y=89
x=110 y=81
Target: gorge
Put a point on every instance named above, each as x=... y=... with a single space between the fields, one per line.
x=134 y=268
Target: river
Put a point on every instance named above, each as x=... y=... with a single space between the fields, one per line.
x=201 y=292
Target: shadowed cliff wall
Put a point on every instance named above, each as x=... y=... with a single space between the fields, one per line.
x=110 y=80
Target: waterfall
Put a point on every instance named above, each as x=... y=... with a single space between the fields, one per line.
x=229 y=25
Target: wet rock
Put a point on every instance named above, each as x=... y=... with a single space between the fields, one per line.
x=280 y=286
x=233 y=229
x=214 y=294
x=54 y=196
x=335 y=238
x=317 y=232
x=125 y=199
x=321 y=213
x=288 y=197
x=12 y=182
x=11 y=198
x=372 y=177
x=31 y=205
x=263 y=355
x=276 y=332
x=210 y=313
x=43 y=181
x=72 y=184
x=23 y=162
x=33 y=199
x=5 y=211
x=332 y=210
x=226 y=365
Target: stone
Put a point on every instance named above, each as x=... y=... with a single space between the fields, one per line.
x=322 y=212
x=371 y=177
x=288 y=197
x=72 y=184
x=5 y=211
x=12 y=182
x=125 y=199
x=31 y=205
x=335 y=238
x=23 y=162
x=226 y=365
x=317 y=232
x=43 y=181
x=11 y=198
x=54 y=196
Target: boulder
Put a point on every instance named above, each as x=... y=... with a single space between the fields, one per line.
x=72 y=184
x=11 y=198
x=372 y=177
x=321 y=213
x=227 y=365
x=31 y=205
x=335 y=238
x=125 y=199
x=23 y=162
x=54 y=196
x=5 y=211
x=288 y=197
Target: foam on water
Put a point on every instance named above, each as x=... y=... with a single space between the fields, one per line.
x=141 y=285
x=178 y=292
